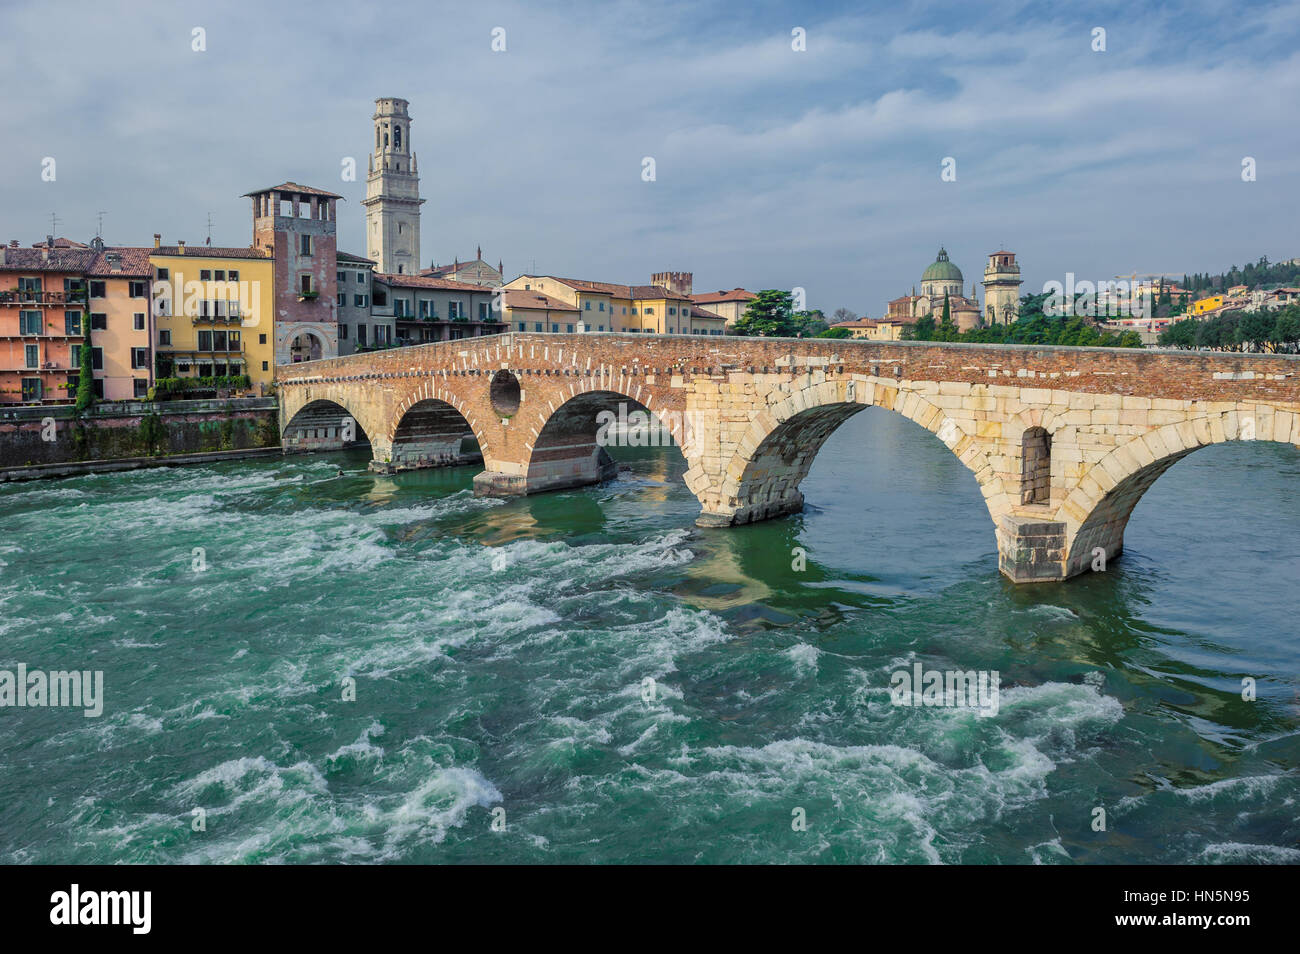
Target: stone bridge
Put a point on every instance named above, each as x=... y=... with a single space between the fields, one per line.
x=1063 y=442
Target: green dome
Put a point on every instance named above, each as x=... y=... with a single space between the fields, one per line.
x=942 y=270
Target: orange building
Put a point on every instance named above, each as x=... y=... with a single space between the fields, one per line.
x=44 y=318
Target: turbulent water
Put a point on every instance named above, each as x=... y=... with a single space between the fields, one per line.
x=626 y=687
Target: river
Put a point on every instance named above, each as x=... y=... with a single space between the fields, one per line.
x=586 y=677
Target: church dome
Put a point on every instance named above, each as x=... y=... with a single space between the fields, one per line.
x=942 y=270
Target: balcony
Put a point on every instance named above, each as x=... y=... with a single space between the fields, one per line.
x=308 y=295
x=14 y=296
x=216 y=319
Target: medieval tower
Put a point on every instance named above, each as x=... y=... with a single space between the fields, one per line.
x=393 y=193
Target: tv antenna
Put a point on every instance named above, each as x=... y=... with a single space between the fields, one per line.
x=54 y=224
x=99 y=232
x=209 y=228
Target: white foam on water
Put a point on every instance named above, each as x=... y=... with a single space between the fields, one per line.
x=1236 y=853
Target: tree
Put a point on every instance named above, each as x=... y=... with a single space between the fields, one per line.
x=836 y=333
x=770 y=315
x=1180 y=334
x=1286 y=330
x=843 y=314
x=86 y=378
x=1256 y=329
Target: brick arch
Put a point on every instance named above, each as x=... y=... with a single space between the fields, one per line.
x=1097 y=511
x=430 y=390
x=298 y=398
x=815 y=411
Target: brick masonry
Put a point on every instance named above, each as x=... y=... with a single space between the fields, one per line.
x=751 y=414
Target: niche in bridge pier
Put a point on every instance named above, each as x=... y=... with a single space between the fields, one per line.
x=1036 y=467
x=505 y=393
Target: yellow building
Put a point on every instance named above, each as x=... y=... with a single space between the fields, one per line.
x=604 y=306
x=1207 y=304
x=215 y=312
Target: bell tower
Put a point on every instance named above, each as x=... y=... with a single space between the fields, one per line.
x=393 y=192
x=1002 y=283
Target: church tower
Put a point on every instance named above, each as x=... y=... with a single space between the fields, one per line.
x=1001 y=288
x=393 y=193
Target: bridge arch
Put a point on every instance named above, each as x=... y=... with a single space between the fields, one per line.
x=428 y=427
x=1098 y=509
x=567 y=442
x=322 y=424
x=776 y=452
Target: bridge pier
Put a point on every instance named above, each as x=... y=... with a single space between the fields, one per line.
x=551 y=470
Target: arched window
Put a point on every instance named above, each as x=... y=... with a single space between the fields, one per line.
x=376 y=137
x=1036 y=467
x=397 y=137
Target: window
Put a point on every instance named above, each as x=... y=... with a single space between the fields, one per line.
x=98 y=290
x=162 y=274
x=456 y=309
x=522 y=326
x=381 y=299
x=649 y=311
x=600 y=328
x=71 y=285
x=554 y=327
x=537 y=326
x=219 y=341
x=569 y=328
x=361 y=335
x=425 y=307
x=98 y=321
x=343 y=332
x=306 y=282
x=634 y=311
x=588 y=306
x=29 y=322
x=219 y=275
x=205 y=341
x=625 y=309
x=401 y=308
x=305 y=247
x=75 y=355
x=137 y=289
x=139 y=358
x=97 y=386
x=31 y=389
x=32 y=284
x=205 y=274
x=205 y=369
x=32 y=353
x=361 y=278
x=141 y=387
x=457 y=334
x=672 y=310
x=97 y=359
x=234 y=341
x=359 y=301
x=164 y=336
x=234 y=275
x=341 y=277
x=602 y=306
x=483 y=314
x=139 y=321
x=261 y=339
x=264 y=366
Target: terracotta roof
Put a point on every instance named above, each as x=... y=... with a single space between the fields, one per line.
x=210 y=251
x=518 y=298
x=57 y=259
x=736 y=294
x=614 y=290
x=698 y=312
x=294 y=187
x=355 y=259
x=62 y=243
x=862 y=323
x=427 y=281
x=131 y=262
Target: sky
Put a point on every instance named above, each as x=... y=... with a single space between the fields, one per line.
x=774 y=167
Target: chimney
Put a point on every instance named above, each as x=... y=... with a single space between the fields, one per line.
x=45 y=253
x=157 y=239
x=2 y=255
x=13 y=243
x=180 y=247
x=49 y=241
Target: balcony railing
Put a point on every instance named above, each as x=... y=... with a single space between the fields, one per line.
x=16 y=296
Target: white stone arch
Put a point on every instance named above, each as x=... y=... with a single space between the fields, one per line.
x=299 y=397
x=1097 y=510
x=739 y=500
